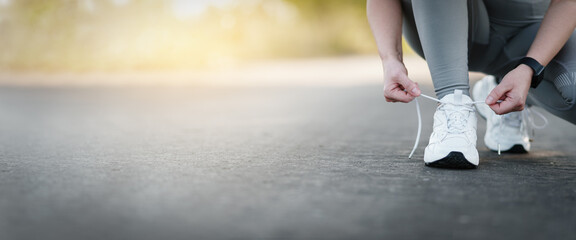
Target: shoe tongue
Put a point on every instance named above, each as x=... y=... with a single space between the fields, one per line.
x=457 y=96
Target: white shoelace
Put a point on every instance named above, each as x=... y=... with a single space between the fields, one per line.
x=526 y=117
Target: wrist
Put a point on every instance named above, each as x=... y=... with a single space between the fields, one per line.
x=393 y=65
x=537 y=70
x=525 y=74
x=391 y=57
x=525 y=69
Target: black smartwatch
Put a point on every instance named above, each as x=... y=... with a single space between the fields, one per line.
x=536 y=67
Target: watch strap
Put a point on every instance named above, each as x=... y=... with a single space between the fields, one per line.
x=536 y=67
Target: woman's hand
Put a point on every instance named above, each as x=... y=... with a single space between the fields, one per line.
x=385 y=18
x=397 y=86
x=512 y=90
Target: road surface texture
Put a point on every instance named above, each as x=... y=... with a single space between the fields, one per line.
x=308 y=162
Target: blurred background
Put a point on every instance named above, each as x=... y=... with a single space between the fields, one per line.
x=239 y=119
x=120 y=35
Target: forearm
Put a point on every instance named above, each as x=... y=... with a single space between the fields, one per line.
x=385 y=18
x=557 y=27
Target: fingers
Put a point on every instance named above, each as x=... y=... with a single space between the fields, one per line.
x=410 y=86
x=498 y=93
x=397 y=86
x=506 y=106
x=400 y=96
x=401 y=89
x=503 y=99
x=396 y=93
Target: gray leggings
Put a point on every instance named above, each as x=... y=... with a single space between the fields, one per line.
x=488 y=36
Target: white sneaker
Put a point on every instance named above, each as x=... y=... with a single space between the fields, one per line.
x=506 y=133
x=453 y=140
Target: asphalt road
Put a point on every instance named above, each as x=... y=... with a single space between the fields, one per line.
x=261 y=163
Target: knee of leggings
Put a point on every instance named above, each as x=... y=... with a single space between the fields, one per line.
x=565 y=83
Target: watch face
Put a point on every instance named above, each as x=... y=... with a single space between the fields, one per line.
x=539 y=70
